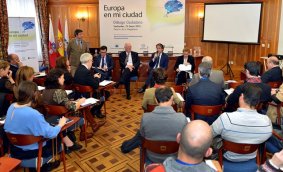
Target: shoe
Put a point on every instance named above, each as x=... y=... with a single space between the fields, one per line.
x=88 y=135
x=116 y=85
x=141 y=90
x=75 y=147
x=128 y=97
x=100 y=115
x=50 y=166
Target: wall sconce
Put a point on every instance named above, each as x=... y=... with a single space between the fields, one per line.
x=82 y=16
x=200 y=15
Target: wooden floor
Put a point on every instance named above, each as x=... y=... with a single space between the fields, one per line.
x=103 y=150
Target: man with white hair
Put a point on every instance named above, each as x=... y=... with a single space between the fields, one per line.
x=274 y=73
x=216 y=76
x=83 y=76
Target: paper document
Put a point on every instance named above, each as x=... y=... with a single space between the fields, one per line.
x=40 y=74
x=229 y=91
x=69 y=91
x=183 y=67
x=104 y=83
x=230 y=81
x=180 y=97
x=210 y=163
x=89 y=101
x=40 y=88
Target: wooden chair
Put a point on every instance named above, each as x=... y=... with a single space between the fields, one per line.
x=278 y=107
x=83 y=89
x=40 y=80
x=23 y=140
x=205 y=110
x=235 y=84
x=159 y=147
x=240 y=148
x=178 y=89
x=275 y=84
x=151 y=107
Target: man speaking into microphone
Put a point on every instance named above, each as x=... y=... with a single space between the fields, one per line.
x=159 y=59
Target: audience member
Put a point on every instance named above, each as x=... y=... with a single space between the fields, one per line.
x=83 y=76
x=185 y=59
x=205 y=92
x=273 y=73
x=195 y=141
x=277 y=98
x=245 y=125
x=15 y=64
x=159 y=59
x=76 y=47
x=64 y=64
x=252 y=70
x=103 y=64
x=163 y=123
x=160 y=77
x=274 y=164
x=25 y=73
x=23 y=119
x=129 y=64
x=216 y=76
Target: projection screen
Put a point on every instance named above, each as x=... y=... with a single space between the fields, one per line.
x=232 y=22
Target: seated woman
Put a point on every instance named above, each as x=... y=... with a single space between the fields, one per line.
x=64 y=64
x=6 y=86
x=23 y=119
x=186 y=60
x=55 y=95
x=24 y=73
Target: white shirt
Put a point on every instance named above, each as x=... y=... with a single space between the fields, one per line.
x=130 y=60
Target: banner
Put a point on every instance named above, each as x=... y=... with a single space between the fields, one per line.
x=51 y=45
x=144 y=23
x=22 y=40
x=60 y=40
x=66 y=38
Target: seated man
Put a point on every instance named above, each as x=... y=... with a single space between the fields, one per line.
x=216 y=76
x=15 y=64
x=252 y=70
x=159 y=59
x=245 y=125
x=83 y=76
x=273 y=73
x=205 y=92
x=185 y=59
x=103 y=64
x=195 y=142
x=163 y=123
x=129 y=64
x=159 y=77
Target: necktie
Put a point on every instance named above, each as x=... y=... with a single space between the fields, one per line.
x=102 y=63
x=157 y=62
x=127 y=58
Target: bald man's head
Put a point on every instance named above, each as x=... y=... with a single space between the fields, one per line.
x=196 y=139
x=272 y=62
x=207 y=59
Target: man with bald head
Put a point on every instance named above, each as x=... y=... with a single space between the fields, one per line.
x=195 y=141
x=15 y=64
x=216 y=76
x=273 y=73
x=129 y=64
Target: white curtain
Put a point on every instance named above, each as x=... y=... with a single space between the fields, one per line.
x=25 y=8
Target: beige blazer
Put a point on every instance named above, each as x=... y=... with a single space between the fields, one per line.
x=272 y=110
x=75 y=51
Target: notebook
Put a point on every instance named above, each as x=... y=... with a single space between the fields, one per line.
x=89 y=101
x=54 y=123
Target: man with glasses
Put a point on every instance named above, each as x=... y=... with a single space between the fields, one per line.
x=103 y=64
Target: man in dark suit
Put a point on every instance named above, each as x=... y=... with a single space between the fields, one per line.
x=274 y=73
x=83 y=76
x=185 y=59
x=129 y=64
x=15 y=64
x=103 y=64
x=159 y=59
x=205 y=92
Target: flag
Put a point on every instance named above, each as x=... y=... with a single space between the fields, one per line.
x=60 y=40
x=66 y=37
x=51 y=45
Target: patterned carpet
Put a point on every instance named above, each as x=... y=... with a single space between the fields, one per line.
x=103 y=150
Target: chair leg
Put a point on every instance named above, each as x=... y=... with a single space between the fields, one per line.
x=63 y=153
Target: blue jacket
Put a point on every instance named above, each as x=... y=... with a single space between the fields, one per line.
x=163 y=62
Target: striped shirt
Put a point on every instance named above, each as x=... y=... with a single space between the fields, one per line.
x=242 y=126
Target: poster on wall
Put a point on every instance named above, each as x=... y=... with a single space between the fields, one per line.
x=22 y=40
x=143 y=23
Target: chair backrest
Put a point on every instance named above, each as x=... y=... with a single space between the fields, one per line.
x=83 y=89
x=235 y=84
x=10 y=97
x=23 y=140
x=205 y=110
x=178 y=89
x=240 y=148
x=159 y=147
x=56 y=110
x=275 y=84
x=151 y=107
x=39 y=81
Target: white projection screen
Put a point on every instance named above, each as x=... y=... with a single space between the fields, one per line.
x=232 y=22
